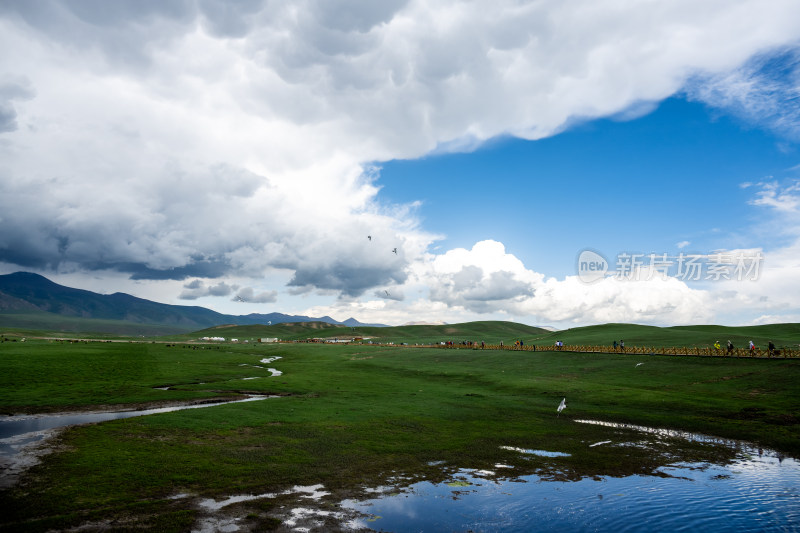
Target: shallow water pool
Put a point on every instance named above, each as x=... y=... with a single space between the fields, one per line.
x=752 y=493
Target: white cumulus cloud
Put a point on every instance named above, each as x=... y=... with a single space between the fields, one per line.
x=209 y=139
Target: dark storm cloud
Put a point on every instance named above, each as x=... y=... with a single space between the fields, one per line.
x=204 y=138
x=139 y=271
x=197 y=289
x=11 y=90
x=124 y=31
x=249 y=295
x=354 y=15
x=8 y=118
x=230 y=18
x=349 y=279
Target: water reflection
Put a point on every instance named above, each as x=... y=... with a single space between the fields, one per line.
x=751 y=494
x=757 y=491
x=15 y=426
x=540 y=453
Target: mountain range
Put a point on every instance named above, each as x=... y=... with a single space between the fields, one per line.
x=26 y=293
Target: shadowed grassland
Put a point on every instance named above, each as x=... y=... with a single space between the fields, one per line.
x=492 y=332
x=351 y=417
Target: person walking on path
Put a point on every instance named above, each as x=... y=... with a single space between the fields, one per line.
x=730 y=347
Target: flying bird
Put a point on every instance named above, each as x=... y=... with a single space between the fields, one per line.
x=387 y=292
x=369 y=237
x=562 y=406
x=637 y=364
x=239 y=299
x=395 y=251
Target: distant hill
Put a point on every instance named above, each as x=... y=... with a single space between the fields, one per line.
x=700 y=336
x=27 y=298
x=491 y=332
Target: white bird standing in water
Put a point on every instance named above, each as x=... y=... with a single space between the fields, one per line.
x=562 y=406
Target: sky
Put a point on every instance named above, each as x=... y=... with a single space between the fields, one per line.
x=551 y=163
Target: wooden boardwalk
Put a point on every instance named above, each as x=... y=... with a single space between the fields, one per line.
x=780 y=351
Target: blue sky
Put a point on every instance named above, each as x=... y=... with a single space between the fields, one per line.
x=237 y=156
x=641 y=185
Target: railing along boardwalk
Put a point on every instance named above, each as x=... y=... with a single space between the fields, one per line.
x=779 y=352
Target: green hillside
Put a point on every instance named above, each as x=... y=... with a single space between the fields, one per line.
x=283 y=331
x=491 y=332
x=54 y=325
x=689 y=336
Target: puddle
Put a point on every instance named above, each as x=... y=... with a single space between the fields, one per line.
x=758 y=491
x=303 y=515
x=298 y=518
x=213 y=505
x=540 y=453
x=751 y=494
x=738 y=445
x=218 y=525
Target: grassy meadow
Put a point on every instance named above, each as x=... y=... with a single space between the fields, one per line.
x=492 y=332
x=351 y=417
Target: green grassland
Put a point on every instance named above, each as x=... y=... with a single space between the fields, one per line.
x=488 y=331
x=493 y=332
x=689 y=336
x=355 y=416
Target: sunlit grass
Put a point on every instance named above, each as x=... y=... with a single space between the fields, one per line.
x=353 y=416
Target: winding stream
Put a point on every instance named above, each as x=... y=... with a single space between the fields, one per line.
x=19 y=435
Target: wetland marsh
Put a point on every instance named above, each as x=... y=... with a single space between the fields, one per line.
x=352 y=419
